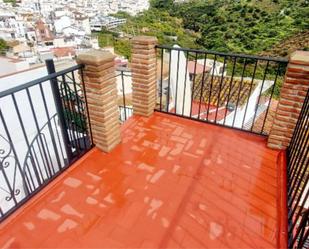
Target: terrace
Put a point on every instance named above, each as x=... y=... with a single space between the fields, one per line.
x=207 y=175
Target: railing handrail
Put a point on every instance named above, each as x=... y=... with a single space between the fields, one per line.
x=50 y=151
x=244 y=81
x=264 y=58
x=39 y=80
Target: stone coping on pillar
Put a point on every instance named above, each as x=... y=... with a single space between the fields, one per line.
x=145 y=40
x=95 y=57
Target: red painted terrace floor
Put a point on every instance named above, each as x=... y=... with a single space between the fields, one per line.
x=171 y=183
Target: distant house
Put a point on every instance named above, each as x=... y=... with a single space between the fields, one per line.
x=62 y=22
x=12 y=27
x=82 y=21
x=43 y=33
x=108 y=22
x=21 y=50
x=73 y=30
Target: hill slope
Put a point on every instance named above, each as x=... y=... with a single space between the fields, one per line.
x=248 y=26
x=299 y=41
x=272 y=27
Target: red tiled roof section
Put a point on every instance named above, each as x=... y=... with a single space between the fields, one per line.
x=229 y=90
x=258 y=124
x=63 y=52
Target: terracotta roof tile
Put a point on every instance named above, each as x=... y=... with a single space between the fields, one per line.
x=228 y=87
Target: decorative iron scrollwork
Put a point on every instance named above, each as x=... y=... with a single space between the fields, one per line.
x=8 y=161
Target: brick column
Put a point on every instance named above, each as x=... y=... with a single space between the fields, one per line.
x=144 y=75
x=292 y=97
x=101 y=90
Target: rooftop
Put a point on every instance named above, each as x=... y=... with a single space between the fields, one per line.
x=175 y=182
x=79 y=168
x=233 y=90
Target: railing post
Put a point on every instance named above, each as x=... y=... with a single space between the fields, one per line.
x=292 y=96
x=144 y=74
x=59 y=108
x=100 y=86
x=123 y=96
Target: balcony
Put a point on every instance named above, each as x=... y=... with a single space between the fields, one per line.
x=170 y=183
x=197 y=175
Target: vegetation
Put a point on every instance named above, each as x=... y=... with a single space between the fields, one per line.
x=239 y=26
x=154 y=22
x=3 y=46
x=242 y=26
x=13 y=2
x=248 y=26
x=121 y=46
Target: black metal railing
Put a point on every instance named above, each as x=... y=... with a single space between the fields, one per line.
x=298 y=182
x=232 y=90
x=124 y=87
x=44 y=128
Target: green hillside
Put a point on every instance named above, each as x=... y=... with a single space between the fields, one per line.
x=247 y=26
x=243 y=26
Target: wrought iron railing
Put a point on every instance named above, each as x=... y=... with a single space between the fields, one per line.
x=124 y=87
x=298 y=182
x=231 y=90
x=44 y=128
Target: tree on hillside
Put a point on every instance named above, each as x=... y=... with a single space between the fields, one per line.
x=3 y=46
x=161 y=4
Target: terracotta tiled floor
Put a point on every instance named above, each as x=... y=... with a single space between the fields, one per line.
x=172 y=183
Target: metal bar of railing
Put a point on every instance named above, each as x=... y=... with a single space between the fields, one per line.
x=36 y=170
x=70 y=114
x=259 y=98
x=226 y=91
x=56 y=93
x=230 y=88
x=211 y=86
x=86 y=105
x=274 y=59
x=250 y=91
x=44 y=155
x=161 y=81
x=298 y=181
x=169 y=83
x=49 y=126
x=43 y=151
x=80 y=109
x=185 y=83
x=220 y=88
x=239 y=91
x=193 y=83
x=202 y=87
x=177 y=77
x=271 y=98
x=123 y=95
x=42 y=79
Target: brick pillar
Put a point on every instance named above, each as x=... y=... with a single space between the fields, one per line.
x=144 y=75
x=101 y=90
x=292 y=97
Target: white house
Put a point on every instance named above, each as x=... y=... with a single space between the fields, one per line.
x=12 y=27
x=61 y=23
